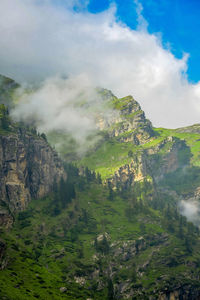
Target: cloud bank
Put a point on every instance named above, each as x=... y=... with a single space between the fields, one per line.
x=64 y=108
x=41 y=39
x=56 y=105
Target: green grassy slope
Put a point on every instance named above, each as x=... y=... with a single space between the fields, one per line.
x=7 y=89
x=48 y=249
x=192 y=140
x=105 y=243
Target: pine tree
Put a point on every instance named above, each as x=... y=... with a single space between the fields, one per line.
x=188 y=244
x=88 y=174
x=85 y=216
x=105 y=248
x=55 y=186
x=110 y=290
x=62 y=193
x=96 y=244
x=99 y=180
x=110 y=192
x=93 y=176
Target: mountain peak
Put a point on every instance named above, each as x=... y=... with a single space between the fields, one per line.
x=131 y=124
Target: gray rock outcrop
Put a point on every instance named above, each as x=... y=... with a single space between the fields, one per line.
x=28 y=168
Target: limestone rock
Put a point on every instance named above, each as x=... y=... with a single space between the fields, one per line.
x=127 y=121
x=28 y=167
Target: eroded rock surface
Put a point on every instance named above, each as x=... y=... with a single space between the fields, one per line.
x=28 y=168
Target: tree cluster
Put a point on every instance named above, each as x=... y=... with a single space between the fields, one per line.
x=92 y=176
x=63 y=193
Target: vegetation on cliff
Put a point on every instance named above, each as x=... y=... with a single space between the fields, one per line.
x=78 y=246
x=111 y=228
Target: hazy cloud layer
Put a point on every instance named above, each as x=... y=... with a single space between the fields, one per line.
x=40 y=39
x=59 y=104
x=65 y=105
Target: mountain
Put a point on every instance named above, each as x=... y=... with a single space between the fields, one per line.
x=108 y=224
x=28 y=167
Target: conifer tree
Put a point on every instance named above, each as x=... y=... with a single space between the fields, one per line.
x=99 y=178
x=88 y=174
x=110 y=290
x=105 y=245
x=110 y=192
x=180 y=229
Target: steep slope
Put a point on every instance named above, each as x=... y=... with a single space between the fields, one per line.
x=28 y=167
x=133 y=150
x=120 y=239
x=99 y=247
x=128 y=122
x=122 y=119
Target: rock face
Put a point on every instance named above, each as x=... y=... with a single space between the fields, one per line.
x=127 y=122
x=122 y=263
x=169 y=155
x=133 y=125
x=130 y=173
x=28 y=167
x=185 y=293
x=153 y=163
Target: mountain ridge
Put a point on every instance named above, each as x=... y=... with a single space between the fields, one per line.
x=113 y=229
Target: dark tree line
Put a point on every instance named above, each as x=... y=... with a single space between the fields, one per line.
x=65 y=190
x=63 y=193
x=110 y=191
x=92 y=176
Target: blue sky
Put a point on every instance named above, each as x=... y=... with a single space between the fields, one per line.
x=178 y=21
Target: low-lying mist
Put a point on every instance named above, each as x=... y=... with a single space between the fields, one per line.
x=191 y=210
x=66 y=109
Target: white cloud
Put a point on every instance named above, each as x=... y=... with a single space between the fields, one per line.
x=69 y=106
x=191 y=210
x=55 y=105
x=40 y=40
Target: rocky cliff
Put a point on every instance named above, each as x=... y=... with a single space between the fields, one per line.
x=151 y=163
x=132 y=150
x=28 y=167
x=124 y=239
x=127 y=121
